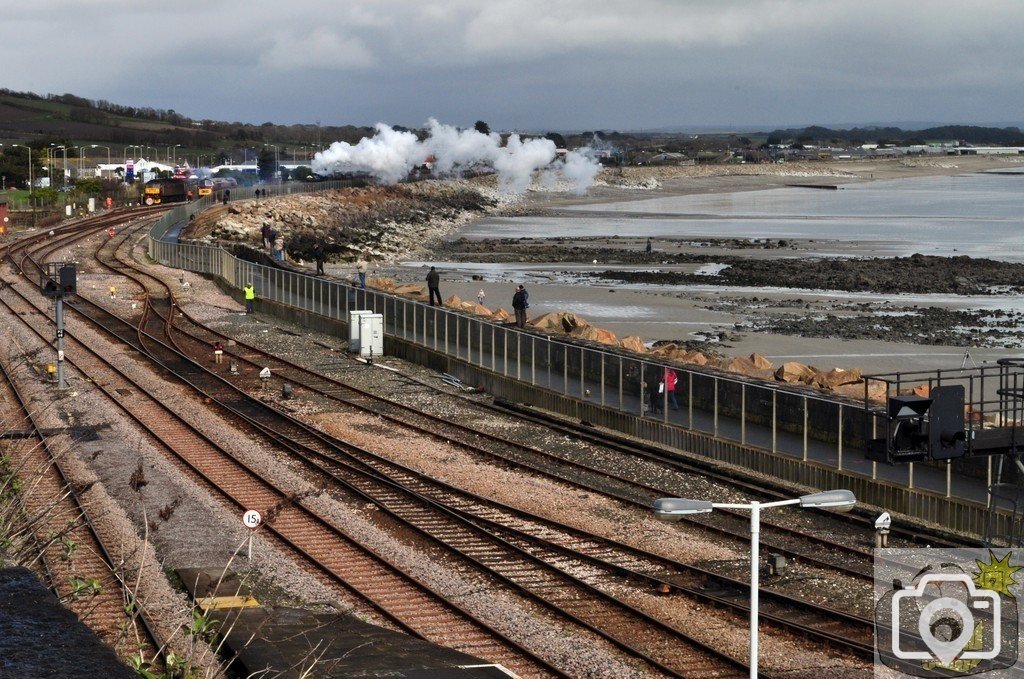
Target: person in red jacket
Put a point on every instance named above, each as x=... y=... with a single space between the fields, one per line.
x=669 y=380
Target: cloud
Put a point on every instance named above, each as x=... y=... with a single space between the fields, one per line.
x=320 y=48
x=576 y=64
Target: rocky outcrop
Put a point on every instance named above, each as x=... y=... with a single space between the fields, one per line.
x=383 y=222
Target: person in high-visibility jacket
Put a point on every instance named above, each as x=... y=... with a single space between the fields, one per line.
x=250 y=297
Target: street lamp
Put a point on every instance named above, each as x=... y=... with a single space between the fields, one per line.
x=101 y=146
x=674 y=508
x=29 y=167
x=53 y=148
x=277 y=164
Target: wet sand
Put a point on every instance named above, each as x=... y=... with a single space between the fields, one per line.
x=664 y=312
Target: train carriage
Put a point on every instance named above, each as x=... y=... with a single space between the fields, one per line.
x=157 y=191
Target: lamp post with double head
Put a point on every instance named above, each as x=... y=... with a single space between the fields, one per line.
x=675 y=508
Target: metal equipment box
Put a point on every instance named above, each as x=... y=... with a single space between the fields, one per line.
x=353 y=328
x=371 y=335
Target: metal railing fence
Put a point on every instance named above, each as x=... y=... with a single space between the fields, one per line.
x=801 y=423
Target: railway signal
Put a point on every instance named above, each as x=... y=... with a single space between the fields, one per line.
x=58 y=280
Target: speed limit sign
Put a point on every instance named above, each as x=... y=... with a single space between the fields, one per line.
x=252 y=519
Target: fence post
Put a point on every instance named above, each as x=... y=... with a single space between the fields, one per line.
x=519 y=355
x=775 y=420
x=622 y=404
x=533 y=360
x=602 y=377
x=714 y=427
x=805 y=430
x=689 y=399
x=565 y=368
x=583 y=360
x=839 y=438
x=643 y=383
x=743 y=414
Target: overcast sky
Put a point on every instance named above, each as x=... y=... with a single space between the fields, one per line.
x=530 y=64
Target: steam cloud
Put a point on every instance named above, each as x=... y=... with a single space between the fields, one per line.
x=390 y=155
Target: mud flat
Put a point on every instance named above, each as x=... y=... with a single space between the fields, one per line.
x=824 y=302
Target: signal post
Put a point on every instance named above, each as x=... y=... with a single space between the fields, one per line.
x=59 y=280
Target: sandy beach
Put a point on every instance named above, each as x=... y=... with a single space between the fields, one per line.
x=728 y=319
x=875 y=316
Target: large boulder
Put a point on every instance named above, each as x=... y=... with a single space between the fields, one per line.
x=793 y=372
x=922 y=390
x=760 y=362
x=557 y=321
x=667 y=350
x=385 y=284
x=453 y=302
x=836 y=377
x=413 y=290
x=876 y=390
x=589 y=332
x=501 y=314
x=694 y=357
x=633 y=343
x=744 y=366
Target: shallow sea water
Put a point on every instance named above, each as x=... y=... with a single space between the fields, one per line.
x=980 y=214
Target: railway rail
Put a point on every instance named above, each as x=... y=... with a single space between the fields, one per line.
x=852 y=637
x=75 y=558
x=394 y=594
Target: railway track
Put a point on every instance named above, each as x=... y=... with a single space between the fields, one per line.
x=846 y=631
x=643 y=637
x=394 y=594
x=77 y=563
x=778 y=537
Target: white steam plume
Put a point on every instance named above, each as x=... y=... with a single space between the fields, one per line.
x=390 y=155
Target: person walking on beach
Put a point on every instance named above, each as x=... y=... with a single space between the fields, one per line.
x=318 y=256
x=279 y=248
x=250 y=297
x=520 y=303
x=361 y=270
x=480 y=297
x=649 y=246
x=218 y=352
x=434 y=286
